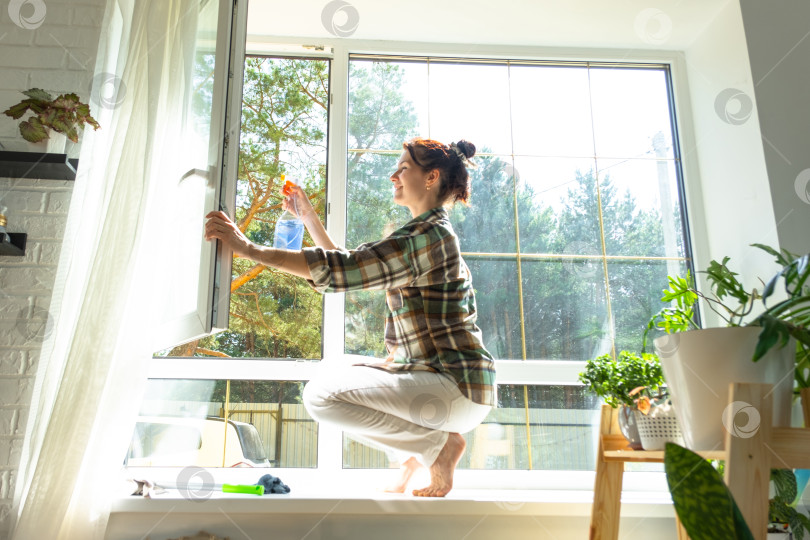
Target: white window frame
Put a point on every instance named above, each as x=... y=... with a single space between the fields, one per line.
x=514 y=371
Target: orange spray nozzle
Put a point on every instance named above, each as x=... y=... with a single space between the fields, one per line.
x=287 y=189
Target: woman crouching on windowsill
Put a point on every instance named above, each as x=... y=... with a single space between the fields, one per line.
x=437 y=361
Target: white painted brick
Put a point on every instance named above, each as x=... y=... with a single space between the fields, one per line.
x=17 y=36
x=9 y=422
x=40 y=227
x=15 y=307
x=16 y=391
x=14 y=79
x=61 y=82
x=7 y=99
x=42 y=303
x=56 y=15
x=49 y=253
x=14 y=362
x=7 y=480
x=8 y=130
x=5 y=517
x=25 y=57
x=21 y=281
x=51 y=185
x=22 y=201
x=80 y=60
x=29 y=368
x=68 y=37
x=22 y=417
x=10 y=452
x=24 y=333
x=88 y=16
x=58 y=202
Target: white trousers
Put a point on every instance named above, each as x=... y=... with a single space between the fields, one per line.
x=409 y=414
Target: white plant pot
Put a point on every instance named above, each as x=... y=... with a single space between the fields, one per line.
x=54 y=144
x=698 y=367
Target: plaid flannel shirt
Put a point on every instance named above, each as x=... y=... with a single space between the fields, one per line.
x=430 y=324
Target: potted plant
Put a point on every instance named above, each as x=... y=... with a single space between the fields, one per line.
x=708 y=510
x=52 y=119
x=699 y=363
x=614 y=380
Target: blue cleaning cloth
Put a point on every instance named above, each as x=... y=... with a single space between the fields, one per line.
x=272 y=484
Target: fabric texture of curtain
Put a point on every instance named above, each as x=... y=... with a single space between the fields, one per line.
x=93 y=364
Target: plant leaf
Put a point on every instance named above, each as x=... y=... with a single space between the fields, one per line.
x=784 y=481
x=770 y=286
x=38 y=94
x=33 y=130
x=780 y=259
x=72 y=134
x=17 y=110
x=702 y=500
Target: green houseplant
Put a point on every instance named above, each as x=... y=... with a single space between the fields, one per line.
x=788 y=318
x=700 y=363
x=615 y=380
x=706 y=507
x=64 y=114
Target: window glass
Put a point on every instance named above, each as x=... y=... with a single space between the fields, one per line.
x=182 y=422
x=630 y=106
x=555 y=114
x=562 y=422
x=283 y=132
x=574 y=223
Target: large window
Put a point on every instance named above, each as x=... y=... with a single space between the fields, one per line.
x=576 y=219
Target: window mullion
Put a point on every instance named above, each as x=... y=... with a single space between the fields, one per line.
x=333 y=304
x=330 y=439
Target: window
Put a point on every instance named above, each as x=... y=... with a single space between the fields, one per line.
x=574 y=225
x=576 y=220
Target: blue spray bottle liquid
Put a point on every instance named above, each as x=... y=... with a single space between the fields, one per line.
x=289 y=229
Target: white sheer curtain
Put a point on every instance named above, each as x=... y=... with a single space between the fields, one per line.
x=93 y=366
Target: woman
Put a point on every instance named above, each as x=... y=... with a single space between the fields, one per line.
x=438 y=380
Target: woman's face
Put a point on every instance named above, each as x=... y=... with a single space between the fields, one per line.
x=411 y=184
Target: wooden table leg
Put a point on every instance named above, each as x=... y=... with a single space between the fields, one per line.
x=607 y=501
x=748 y=467
x=682 y=534
x=607 y=491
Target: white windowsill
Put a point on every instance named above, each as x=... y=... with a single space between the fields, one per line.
x=458 y=502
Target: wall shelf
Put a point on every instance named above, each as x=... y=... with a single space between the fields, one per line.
x=16 y=248
x=37 y=165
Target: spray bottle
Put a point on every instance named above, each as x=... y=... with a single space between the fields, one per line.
x=289 y=228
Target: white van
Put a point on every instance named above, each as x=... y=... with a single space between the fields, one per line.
x=173 y=441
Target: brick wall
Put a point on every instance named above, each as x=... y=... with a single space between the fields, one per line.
x=51 y=45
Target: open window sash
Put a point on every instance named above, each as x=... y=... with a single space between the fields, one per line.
x=198 y=272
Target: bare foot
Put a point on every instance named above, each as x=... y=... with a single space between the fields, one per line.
x=407 y=469
x=441 y=472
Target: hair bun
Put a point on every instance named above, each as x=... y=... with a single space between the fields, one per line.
x=466 y=147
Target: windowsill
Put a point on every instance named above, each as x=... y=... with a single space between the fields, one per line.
x=458 y=502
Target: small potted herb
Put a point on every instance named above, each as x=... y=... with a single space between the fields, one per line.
x=65 y=115
x=614 y=381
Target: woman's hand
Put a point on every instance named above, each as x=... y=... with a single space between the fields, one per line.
x=220 y=227
x=296 y=202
